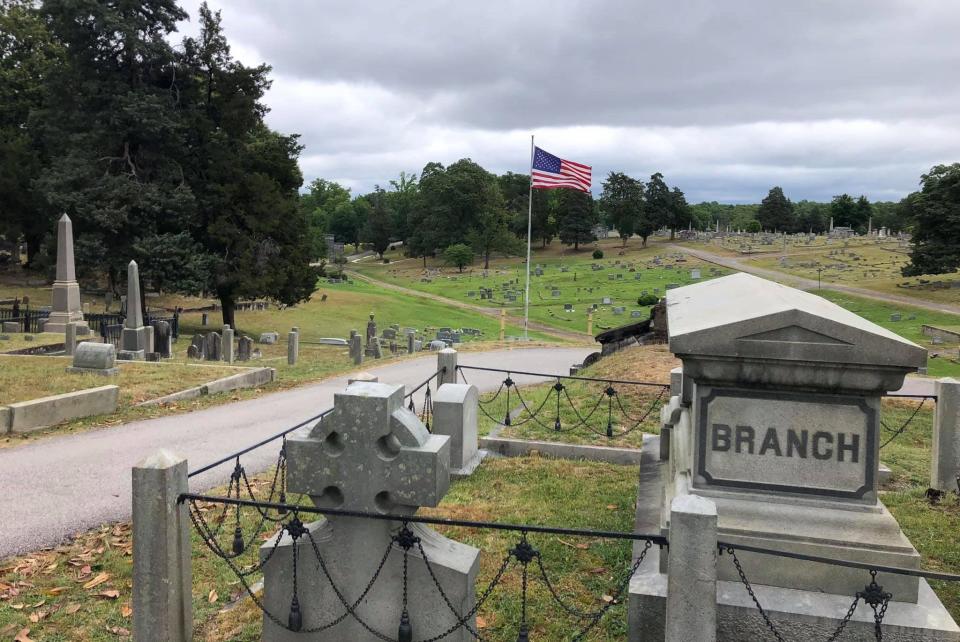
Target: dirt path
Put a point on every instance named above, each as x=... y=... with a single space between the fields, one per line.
x=580 y=337
x=742 y=265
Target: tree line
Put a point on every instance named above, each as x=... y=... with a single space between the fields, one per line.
x=157 y=153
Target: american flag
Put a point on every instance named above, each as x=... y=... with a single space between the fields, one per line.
x=551 y=172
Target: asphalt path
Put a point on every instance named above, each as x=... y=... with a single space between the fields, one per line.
x=57 y=487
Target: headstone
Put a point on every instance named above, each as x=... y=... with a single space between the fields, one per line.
x=389 y=334
x=163 y=339
x=618 y=310
x=437 y=345
x=213 y=346
x=695 y=274
x=607 y=300
x=356 y=348
x=199 y=342
x=193 y=352
x=455 y=409
x=370 y=454
x=269 y=338
x=11 y=326
x=66 y=306
x=203 y=319
x=568 y=307
x=895 y=316
x=244 y=348
x=133 y=340
x=371 y=328
x=635 y=314
x=374 y=349
x=782 y=432
x=411 y=342
x=95 y=358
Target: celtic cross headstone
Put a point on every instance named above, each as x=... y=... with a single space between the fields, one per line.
x=372 y=455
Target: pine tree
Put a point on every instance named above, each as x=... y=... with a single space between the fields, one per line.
x=776 y=211
x=577 y=217
x=935 y=212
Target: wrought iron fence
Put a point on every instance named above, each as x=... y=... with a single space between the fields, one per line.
x=599 y=416
x=873 y=595
x=30 y=321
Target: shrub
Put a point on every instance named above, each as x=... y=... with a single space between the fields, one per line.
x=647 y=299
x=598 y=254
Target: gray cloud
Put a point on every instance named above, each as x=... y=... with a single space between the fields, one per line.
x=726 y=98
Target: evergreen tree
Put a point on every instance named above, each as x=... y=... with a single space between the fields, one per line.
x=252 y=234
x=935 y=213
x=576 y=218
x=776 y=212
x=659 y=202
x=379 y=225
x=864 y=214
x=112 y=129
x=843 y=210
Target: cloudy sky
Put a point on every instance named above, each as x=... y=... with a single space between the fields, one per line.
x=725 y=98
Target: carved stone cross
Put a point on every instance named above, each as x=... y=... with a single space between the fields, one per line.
x=371 y=454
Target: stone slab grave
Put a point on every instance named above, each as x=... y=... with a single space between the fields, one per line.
x=95 y=358
x=370 y=454
x=777 y=422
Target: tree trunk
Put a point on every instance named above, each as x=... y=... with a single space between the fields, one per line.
x=644 y=244
x=228 y=306
x=424 y=260
x=625 y=241
x=33 y=242
x=486 y=260
x=671 y=233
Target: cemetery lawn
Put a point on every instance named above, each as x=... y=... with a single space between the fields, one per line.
x=945 y=364
x=641 y=363
x=83 y=590
x=18 y=342
x=581 y=285
x=30 y=377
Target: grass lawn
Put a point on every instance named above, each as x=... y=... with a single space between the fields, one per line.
x=909 y=328
x=25 y=377
x=581 y=285
x=83 y=590
x=17 y=341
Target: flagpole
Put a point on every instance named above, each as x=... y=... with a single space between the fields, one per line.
x=526 y=296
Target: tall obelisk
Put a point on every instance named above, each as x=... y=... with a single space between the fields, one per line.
x=66 y=290
x=133 y=341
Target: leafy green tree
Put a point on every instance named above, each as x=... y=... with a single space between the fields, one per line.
x=889 y=215
x=753 y=226
x=320 y=201
x=249 y=221
x=379 y=226
x=864 y=213
x=659 y=201
x=776 y=211
x=843 y=210
x=935 y=212
x=491 y=233
x=681 y=215
x=402 y=200
x=346 y=221
x=458 y=254
x=622 y=203
x=810 y=217
x=576 y=217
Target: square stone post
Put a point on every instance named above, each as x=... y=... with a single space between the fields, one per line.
x=503 y=323
x=162 y=608
x=70 y=339
x=227 y=344
x=455 y=415
x=293 y=346
x=446 y=366
x=945 y=463
x=692 y=570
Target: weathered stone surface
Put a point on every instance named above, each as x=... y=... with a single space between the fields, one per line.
x=377 y=457
x=98 y=358
x=945 y=458
x=47 y=411
x=692 y=576
x=447 y=366
x=269 y=338
x=163 y=341
x=244 y=348
x=293 y=346
x=66 y=306
x=134 y=340
x=332 y=341
x=11 y=326
x=162 y=605
x=70 y=339
x=455 y=415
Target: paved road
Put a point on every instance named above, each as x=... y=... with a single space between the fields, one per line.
x=57 y=487
x=743 y=265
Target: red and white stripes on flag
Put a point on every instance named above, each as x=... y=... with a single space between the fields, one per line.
x=552 y=172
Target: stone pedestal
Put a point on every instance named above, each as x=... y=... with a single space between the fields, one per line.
x=293 y=346
x=447 y=366
x=455 y=415
x=227 y=344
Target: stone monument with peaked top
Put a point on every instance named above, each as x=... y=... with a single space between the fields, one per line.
x=66 y=306
x=134 y=340
x=370 y=454
x=777 y=422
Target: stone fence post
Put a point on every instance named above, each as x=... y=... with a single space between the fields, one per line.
x=446 y=358
x=227 y=344
x=293 y=346
x=945 y=458
x=692 y=570
x=455 y=408
x=162 y=608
